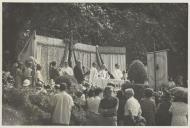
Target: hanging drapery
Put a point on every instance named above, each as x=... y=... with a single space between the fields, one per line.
x=65 y=54
x=160 y=68
x=29 y=49
x=99 y=58
x=112 y=56
x=46 y=50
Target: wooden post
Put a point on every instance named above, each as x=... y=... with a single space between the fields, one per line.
x=155 y=65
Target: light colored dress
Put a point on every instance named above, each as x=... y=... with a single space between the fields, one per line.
x=62 y=103
x=67 y=70
x=133 y=105
x=93 y=75
x=179 y=112
x=117 y=73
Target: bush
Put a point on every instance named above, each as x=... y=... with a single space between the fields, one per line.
x=13 y=97
x=137 y=72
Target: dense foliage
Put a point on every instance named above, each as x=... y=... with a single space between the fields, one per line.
x=134 y=26
x=137 y=72
x=32 y=105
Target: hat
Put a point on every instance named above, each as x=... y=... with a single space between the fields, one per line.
x=148 y=92
x=179 y=92
x=126 y=85
x=26 y=82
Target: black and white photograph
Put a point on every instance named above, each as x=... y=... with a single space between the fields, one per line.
x=94 y=64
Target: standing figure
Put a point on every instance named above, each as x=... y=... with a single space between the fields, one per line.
x=19 y=75
x=148 y=107
x=132 y=108
x=179 y=81
x=122 y=101
x=93 y=105
x=117 y=72
x=93 y=73
x=179 y=111
x=125 y=76
x=78 y=72
x=27 y=74
x=39 y=78
x=163 y=116
x=66 y=69
x=108 y=108
x=62 y=104
x=103 y=73
x=53 y=71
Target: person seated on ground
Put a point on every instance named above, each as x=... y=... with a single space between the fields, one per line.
x=78 y=72
x=117 y=72
x=93 y=73
x=103 y=73
x=62 y=104
x=163 y=116
x=66 y=69
x=53 y=71
x=108 y=108
x=171 y=83
x=148 y=107
x=122 y=101
x=132 y=108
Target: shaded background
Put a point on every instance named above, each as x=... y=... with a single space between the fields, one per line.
x=134 y=26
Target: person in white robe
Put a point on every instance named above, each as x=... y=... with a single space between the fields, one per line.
x=103 y=73
x=62 y=104
x=93 y=74
x=66 y=70
x=117 y=73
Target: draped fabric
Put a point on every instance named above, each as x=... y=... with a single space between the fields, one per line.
x=99 y=59
x=29 y=49
x=161 y=68
x=47 y=49
x=86 y=58
x=110 y=56
x=111 y=59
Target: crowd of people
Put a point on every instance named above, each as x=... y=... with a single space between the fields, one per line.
x=104 y=106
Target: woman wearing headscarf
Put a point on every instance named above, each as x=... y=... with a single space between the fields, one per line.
x=179 y=108
x=163 y=116
x=108 y=108
x=148 y=107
